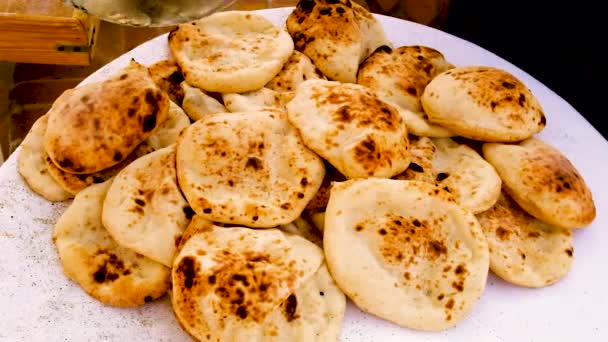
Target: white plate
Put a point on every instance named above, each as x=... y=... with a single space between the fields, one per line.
x=38 y=303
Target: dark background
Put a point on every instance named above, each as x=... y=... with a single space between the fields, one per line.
x=561 y=44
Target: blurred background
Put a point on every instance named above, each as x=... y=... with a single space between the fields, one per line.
x=47 y=46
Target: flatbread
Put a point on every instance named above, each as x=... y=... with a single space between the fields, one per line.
x=165 y=135
x=347 y=125
x=255 y=100
x=197 y=104
x=167 y=132
x=523 y=250
x=422 y=152
x=230 y=52
x=336 y=35
x=227 y=281
x=106 y=271
x=466 y=175
x=145 y=210
x=168 y=77
x=247 y=168
x=96 y=126
x=399 y=76
x=483 y=103
x=543 y=182
x=405 y=251
x=296 y=70
x=32 y=167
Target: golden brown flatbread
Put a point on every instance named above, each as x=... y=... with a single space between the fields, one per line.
x=96 y=126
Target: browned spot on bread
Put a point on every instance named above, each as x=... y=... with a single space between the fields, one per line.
x=437 y=248
x=241 y=311
x=441 y=176
x=110 y=268
x=188 y=212
x=508 y=85
x=543 y=120
x=254 y=163
x=458 y=285
x=460 y=269
x=415 y=167
x=187 y=267
x=306 y=5
x=370 y=158
x=65 y=163
x=291 y=305
x=502 y=233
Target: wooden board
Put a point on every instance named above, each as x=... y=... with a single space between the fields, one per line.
x=47 y=39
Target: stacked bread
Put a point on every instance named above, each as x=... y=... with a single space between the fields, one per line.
x=317 y=163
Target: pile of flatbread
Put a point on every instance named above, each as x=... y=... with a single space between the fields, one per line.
x=264 y=175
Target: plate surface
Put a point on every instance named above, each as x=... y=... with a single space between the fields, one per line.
x=38 y=303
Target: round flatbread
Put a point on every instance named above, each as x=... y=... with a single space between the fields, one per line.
x=543 y=182
x=523 y=250
x=168 y=77
x=421 y=259
x=336 y=35
x=108 y=272
x=228 y=281
x=247 y=168
x=399 y=76
x=33 y=168
x=296 y=70
x=466 y=175
x=165 y=135
x=144 y=209
x=422 y=152
x=96 y=126
x=350 y=127
x=230 y=52
x=255 y=100
x=197 y=104
x=483 y=103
